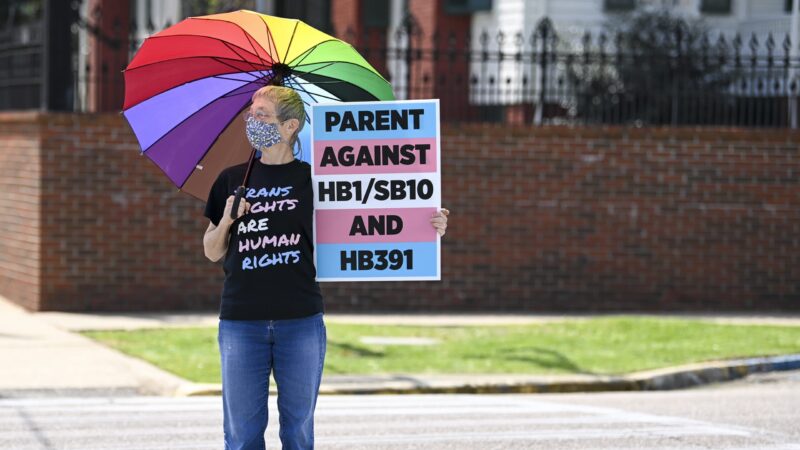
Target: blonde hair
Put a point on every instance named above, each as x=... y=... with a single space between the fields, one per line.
x=288 y=105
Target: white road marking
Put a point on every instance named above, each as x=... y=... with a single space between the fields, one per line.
x=342 y=421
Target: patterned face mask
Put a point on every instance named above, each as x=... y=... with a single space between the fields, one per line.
x=262 y=135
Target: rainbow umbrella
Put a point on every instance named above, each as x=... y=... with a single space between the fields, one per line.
x=187 y=86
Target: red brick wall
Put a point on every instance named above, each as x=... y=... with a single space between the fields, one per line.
x=427 y=15
x=346 y=19
x=543 y=219
x=422 y=81
x=445 y=77
x=20 y=208
x=370 y=41
x=105 y=61
x=116 y=234
x=566 y=219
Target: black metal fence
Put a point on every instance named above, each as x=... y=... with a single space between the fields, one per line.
x=543 y=77
x=679 y=79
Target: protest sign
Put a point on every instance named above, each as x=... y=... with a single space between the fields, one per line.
x=377 y=181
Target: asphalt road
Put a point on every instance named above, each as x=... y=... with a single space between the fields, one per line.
x=756 y=413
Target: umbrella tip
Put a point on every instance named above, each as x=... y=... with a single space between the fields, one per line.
x=279 y=71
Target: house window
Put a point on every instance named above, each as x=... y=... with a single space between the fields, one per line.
x=467 y=6
x=619 y=5
x=715 y=6
x=787 y=6
x=375 y=13
x=313 y=12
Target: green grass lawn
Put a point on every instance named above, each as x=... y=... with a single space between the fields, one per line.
x=608 y=345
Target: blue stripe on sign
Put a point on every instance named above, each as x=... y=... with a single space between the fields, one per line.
x=357 y=263
x=427 y=121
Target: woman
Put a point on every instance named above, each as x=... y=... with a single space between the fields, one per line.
x=271 y=310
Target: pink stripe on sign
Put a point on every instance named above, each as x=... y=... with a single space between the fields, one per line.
x=375 y=156
x=375 y=225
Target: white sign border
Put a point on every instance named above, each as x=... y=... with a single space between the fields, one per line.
x=438 y=276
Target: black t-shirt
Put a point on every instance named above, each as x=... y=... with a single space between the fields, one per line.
x=269 y=266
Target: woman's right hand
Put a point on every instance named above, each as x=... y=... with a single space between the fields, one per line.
x=244 y=208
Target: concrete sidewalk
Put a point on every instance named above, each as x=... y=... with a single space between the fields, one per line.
x=39 y=357
x=128 y=321
x=42 y=355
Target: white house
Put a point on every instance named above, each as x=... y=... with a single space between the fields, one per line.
x=577 y=16
x=571 y=19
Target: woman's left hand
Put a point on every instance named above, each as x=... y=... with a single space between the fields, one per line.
x=439 y=221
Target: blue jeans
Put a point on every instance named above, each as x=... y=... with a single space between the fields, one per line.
x=249 y=350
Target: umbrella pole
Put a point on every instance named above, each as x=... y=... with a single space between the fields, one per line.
x=241 y=189
x=277 y=80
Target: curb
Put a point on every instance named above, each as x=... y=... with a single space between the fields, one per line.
x=714 y=373
x=679 y=377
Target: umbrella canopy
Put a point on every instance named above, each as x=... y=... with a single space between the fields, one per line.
x=187 y=86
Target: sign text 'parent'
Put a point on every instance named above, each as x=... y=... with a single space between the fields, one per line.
x=377 y=181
